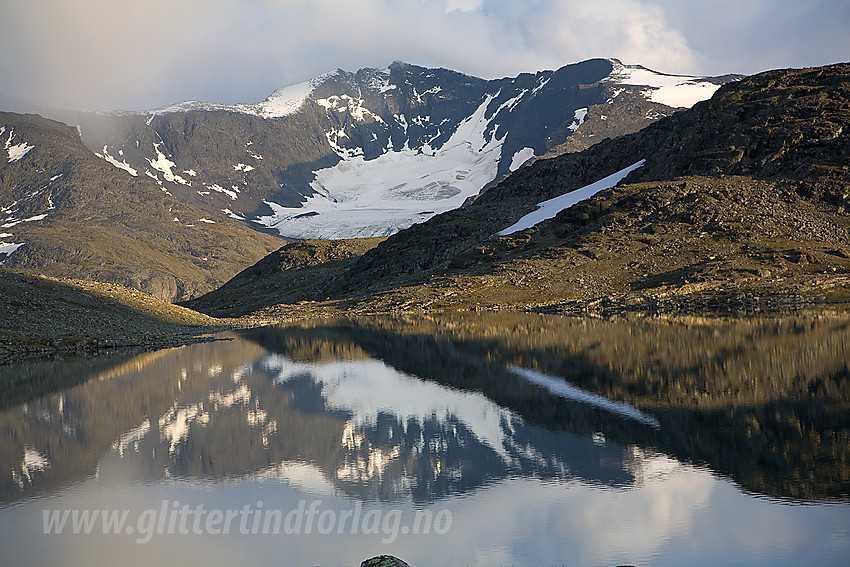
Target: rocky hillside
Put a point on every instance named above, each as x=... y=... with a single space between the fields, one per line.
x=66 y=213
x=739 y=199
x=46 y=317
x=284 y=275
x=366 y=153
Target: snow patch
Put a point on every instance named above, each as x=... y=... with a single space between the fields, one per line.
x=550 y=208
x=564 y=389
x=243 y=167
x=230 y=193
x=684 y=94
x=132 y=438
x=163 y=165
x=9 y=247
x=33 y=460
x=578 y=119
x=233 y=215
x=16 y=151
x=542 y=84
x=511 y=103
x=353 y=106
x=174 y=424
x=521 y=157
x=614 y=94
x=672 y=90
x=119 y=164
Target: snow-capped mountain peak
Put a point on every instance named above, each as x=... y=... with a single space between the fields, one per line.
x=368 y=153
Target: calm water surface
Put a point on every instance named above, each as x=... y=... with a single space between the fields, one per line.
x=459 y=440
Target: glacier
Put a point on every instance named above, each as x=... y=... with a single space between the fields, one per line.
x=360 y=197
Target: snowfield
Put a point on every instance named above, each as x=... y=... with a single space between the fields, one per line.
x=549 y=209
x=673 y=90
x=284 y=102
x=15 y=151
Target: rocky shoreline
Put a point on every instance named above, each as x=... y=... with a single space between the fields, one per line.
x=57 y=349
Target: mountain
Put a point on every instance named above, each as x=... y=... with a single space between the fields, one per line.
x=66 y=213
x=737 y=203
x=367 y=153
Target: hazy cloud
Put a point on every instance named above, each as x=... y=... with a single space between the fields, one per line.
x=147 y=53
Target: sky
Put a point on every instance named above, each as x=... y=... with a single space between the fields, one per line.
x=143 y=54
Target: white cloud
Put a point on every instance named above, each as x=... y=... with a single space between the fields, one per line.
x=463 y=5
x=633 y=31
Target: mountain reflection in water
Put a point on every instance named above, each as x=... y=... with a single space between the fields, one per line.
x=420 y=408
x=357 y=425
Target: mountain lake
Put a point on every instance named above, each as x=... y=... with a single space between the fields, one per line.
x=467 y=439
